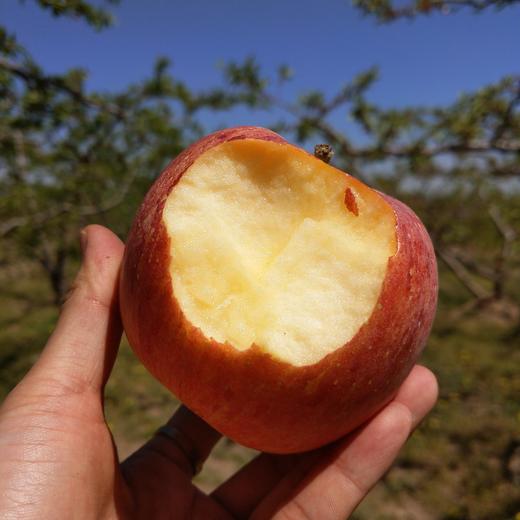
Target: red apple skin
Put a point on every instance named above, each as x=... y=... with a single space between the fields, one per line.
x=251 y=397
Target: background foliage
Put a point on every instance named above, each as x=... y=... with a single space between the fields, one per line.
x=69 y=157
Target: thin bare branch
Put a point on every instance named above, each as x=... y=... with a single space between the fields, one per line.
x=508 y=235
x=508 y=232
x=462 y=274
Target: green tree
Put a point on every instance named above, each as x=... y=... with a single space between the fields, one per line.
x=68 y=156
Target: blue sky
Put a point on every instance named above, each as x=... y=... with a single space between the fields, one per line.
x=428 y=61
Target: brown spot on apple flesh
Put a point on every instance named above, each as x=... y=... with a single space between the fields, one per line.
x=350 y=202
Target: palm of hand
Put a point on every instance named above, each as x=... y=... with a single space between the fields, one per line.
x=58 y=459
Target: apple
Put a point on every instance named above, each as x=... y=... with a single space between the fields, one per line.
x=279 y=298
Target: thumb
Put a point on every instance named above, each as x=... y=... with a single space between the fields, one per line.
x=81 y=351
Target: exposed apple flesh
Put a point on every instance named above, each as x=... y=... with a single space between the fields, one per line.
x=265 y=251
x=279 y=298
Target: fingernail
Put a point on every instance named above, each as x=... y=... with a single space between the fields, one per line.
x=83 y=239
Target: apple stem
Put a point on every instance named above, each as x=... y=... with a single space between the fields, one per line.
x=324 y=152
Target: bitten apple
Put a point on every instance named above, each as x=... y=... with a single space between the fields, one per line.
x=279 y=298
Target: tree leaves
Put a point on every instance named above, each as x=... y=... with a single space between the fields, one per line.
x=97 y=17
x=390 y=10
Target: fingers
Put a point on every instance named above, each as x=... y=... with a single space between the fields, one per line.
x=244 y=490
x=333 y=491
x=160 y=472
x=80 y=353
x=183 y=444
x=334 y=488
x=419 y=393
x=192 y=436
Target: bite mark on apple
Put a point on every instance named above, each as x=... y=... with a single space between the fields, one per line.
x=350 y=202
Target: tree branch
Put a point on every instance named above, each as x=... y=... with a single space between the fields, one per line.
x=508 y=235
x=462 y=274
x=35 y=77
x=37 y=220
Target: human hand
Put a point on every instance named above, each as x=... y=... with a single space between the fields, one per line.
x=58 y=459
